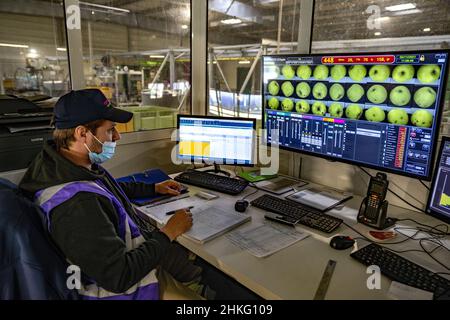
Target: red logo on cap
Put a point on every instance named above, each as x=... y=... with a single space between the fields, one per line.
x=106 y=103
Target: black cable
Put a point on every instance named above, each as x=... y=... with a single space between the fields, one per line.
x=445 y=233
x=398 y=196
x=250 y=194
x=423 y=183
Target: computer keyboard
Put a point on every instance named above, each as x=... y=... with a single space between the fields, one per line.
x=294 y=213
x=212 y=181
x=402 y=270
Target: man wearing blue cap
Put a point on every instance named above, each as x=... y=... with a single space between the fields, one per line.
x=89 y=215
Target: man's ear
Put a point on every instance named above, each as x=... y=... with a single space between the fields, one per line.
x=80 y=133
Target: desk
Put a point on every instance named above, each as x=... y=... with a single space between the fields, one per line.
x=295 y=272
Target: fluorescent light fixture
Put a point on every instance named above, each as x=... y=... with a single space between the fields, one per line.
x=104 y=7
x=157 y=56
x=33 y=51
x=12 y=45
x=244 y=62
x=383 y=19
x=184 y=26
x=400 y=7
x=231 y=21
x=401 y=13
x=377 y=33
x=61 y=49
x=427 y=30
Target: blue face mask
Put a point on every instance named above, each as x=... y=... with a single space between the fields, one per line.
x=108 y=149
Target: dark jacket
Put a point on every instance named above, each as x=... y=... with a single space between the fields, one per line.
x=85 y=227
x=31 y=267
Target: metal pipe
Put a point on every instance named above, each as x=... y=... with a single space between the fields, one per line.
x=280 y=17
x=221 y=73
x=249 y=74
x=184 y=98
x=159 y=71
x=91 y=50
x=172 y=69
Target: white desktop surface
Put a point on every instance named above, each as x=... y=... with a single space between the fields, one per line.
x=295 y=272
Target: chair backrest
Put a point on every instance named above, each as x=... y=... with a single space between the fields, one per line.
x=31 y=266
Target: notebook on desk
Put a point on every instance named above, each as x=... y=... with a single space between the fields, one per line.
x=210 y=221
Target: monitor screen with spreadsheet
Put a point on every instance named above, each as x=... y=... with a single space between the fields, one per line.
x=216 y=140
x=378 y=110
x=439 y=198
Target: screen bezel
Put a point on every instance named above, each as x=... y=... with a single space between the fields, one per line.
x=253 y=120
x=402 y=173
x=429 y=210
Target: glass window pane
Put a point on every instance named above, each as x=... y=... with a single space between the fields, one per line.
x=138 y=53
x=33 y=56
x=236 y=32
x=353 y=25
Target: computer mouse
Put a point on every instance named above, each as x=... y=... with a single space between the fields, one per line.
x=241 y=205
x=341 y=242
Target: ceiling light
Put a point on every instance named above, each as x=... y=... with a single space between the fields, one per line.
x=401 y=13
x=104 y=7
x=12 y=45
x=244 y=62
x=33 y=51
x=184 y=26
x=427 y=30
x=383 y=19
x=61 y=49
x=377 y=33
x=231 y=21
x=156 y=56
x=400 y=7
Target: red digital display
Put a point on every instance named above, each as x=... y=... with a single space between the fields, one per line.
x=381 y=59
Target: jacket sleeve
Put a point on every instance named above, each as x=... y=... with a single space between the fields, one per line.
x=82 y=227
x=138 y=189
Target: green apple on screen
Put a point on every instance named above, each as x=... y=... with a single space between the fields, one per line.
x=357 y=72
x=425 y=97
x=375 y=114
x=398 y=116
x=353 y=111
x=379 y=73
x=403 y=73
x=302 y=106
x=400 y=96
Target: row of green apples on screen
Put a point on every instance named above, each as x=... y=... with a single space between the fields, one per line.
x=379 y=73
x=400 y=95
x=420 y=118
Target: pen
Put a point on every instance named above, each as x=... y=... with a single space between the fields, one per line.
x=173 y=211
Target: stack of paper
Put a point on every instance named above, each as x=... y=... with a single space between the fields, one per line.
x=266 y=239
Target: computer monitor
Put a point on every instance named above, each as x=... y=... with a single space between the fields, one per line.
x=216 y=140
x=438 y=204
x=378 y=110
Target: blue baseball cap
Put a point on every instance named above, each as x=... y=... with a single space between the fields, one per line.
x=79 y=107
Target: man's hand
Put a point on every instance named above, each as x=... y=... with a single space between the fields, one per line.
x=180 y=222
x=170 y=187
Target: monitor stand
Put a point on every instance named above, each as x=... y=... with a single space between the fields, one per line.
x=217 y=170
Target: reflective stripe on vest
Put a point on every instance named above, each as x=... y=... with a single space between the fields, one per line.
x=147 y=288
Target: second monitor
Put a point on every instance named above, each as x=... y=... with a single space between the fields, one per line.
x=215 y=140
x=379 y=110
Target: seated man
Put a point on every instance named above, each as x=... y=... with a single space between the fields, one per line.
x=89 y=215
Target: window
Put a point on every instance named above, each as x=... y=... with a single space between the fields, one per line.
x=33 y=57
x=380 y=25
x=138 y=53
x=238 y=33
